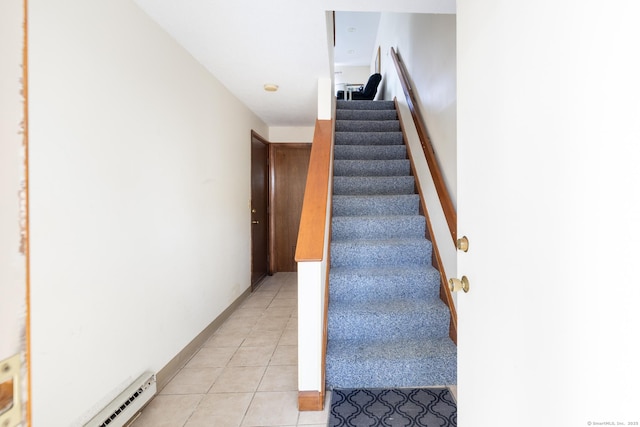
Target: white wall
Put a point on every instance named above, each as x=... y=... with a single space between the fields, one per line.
x=12 y=262
x=291 y=134
x=140 y=174
x=351 y=75
x=427 y=45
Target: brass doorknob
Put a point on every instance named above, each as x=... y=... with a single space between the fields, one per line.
x=255 y=222
x=463 y=244
x=456 y=285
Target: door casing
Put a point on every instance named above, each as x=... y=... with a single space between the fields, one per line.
x=259 y=209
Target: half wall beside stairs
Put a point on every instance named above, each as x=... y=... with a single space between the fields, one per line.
x=312 y=257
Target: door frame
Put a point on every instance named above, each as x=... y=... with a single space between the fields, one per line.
x=15 y=355
x=269 y=270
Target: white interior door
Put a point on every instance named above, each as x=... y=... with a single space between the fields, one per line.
x=548 y=195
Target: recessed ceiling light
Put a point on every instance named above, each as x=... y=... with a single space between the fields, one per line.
x=270 y=87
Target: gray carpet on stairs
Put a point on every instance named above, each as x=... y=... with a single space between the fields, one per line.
x=387 y=326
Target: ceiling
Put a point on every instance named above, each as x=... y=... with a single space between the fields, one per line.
x=355 y=37
x=249 y=43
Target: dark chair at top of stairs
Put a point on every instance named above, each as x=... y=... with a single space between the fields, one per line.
x=369 y=91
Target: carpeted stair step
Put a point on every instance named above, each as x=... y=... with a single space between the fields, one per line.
x=349 y=284
x=371 y=167
x=377 y=227
x=365 y=105
x=381 y=253
x=370 y=185
x=394 y=204
x=366 y=115
x=369 y=152
x=387 y=326
x=369 y=138
x=391 y=363
x=367 y=126
x=388 y=320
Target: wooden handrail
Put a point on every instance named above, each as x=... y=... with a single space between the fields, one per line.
x=436 y=174
x=311 y=234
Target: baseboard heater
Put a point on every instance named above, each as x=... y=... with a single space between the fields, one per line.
x=126 y=404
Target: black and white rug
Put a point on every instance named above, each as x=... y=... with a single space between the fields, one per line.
x=429 y=407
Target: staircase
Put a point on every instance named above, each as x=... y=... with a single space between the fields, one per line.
x=387 y=326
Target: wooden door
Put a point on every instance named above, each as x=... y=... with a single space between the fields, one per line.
x=289 y=176
x=259 y=209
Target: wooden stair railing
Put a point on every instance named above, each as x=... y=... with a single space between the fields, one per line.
x=443 y=194
x=425 y=141
x=310 y=245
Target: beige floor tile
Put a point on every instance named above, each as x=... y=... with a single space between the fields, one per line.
x=257 y=301
x=272 y=286
x=235 y=327
x=262 y=339
x=271 y=282
x=249 y=312
x=192 y=381
x=238 y=379
x=268 y=288
x=168 y=411
x=279 y=310
x=211 y=357
x=240 y=322
x=220 y=410
x=252 y=356
x=279 y=378
x=266 y=291
x=271 y=325
x=292 y=323
x=284 y=302
x=288 y=292
x=289 y=337
x=224 y=340
x=272 y=409
x=308 y=418
x=241 y=331
x=274 y=311
x=285 y=355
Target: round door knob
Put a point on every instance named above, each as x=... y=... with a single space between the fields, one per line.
x=463 y=244
x=456 y=285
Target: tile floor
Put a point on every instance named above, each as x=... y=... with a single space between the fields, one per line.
x=245 y=374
